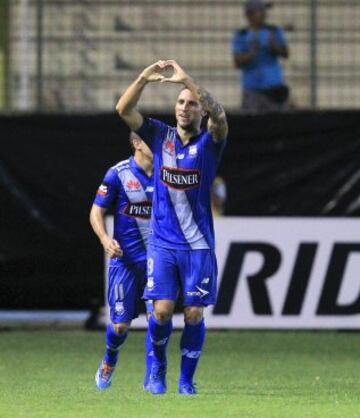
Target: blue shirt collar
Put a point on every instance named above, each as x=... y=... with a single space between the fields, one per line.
x=192 y=139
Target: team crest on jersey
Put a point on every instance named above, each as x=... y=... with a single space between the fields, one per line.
x=141 y=210
x=103 y=190
x=193 y=151
x=180 y=179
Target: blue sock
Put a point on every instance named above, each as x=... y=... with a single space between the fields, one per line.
x=159 y=335
x=192 y=341
x=148 y=357
x=113 y=343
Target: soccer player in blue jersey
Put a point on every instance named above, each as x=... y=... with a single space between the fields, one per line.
x=181 y=243
x=128 y=187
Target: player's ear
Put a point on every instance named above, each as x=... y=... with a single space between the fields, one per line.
x=203 y=111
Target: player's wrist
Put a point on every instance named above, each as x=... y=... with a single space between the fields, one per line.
x=189 y=82
x=104 y=239
x=143 y=79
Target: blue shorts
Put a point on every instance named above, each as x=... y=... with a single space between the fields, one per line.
x=125 y=288
x=192 y=271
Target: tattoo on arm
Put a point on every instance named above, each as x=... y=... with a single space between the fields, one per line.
x=216 y=112
x=210 y=104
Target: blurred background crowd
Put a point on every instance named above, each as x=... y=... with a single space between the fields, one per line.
x=66 y=56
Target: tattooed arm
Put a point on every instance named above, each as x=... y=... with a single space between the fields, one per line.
x=217 y=123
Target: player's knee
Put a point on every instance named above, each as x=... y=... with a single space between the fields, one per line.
x=121 y=328
x=163 y=310
x=193 y=314
x=162 y=315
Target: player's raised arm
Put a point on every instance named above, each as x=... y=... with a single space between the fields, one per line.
x=126 y=106
x=217 y=124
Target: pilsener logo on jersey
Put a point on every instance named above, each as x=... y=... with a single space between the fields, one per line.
x=140 y=210
x=180 y=179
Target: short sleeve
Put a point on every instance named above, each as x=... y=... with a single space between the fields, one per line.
x=280 y=37
x=152 y=131
x=216 y=148
x=238 y=43
x=108 y=190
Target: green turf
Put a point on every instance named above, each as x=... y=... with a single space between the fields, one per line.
x=241 y=374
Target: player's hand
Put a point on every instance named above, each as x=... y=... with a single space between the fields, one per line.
x=178 y=76
x=112 y=247
x=154 y=71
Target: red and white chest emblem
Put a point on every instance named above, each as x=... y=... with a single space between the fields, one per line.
x=133 y=184
x=169 y=146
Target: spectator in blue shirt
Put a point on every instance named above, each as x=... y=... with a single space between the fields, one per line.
x=257 y=50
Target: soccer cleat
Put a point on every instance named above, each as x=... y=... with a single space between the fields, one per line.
x=157 y=384
x=103 y=376
x=187 y=388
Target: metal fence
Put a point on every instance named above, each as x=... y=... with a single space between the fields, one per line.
x=75 y=56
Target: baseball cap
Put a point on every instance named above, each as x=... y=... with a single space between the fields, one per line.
x=251 y=5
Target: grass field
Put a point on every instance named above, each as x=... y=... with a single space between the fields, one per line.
x=241 y=374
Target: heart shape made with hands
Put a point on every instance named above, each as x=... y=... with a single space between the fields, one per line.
x=166 y=71
x=176 y=73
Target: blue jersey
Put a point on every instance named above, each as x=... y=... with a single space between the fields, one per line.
x=127 y=187
x=264 y=71
x=183 y=175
